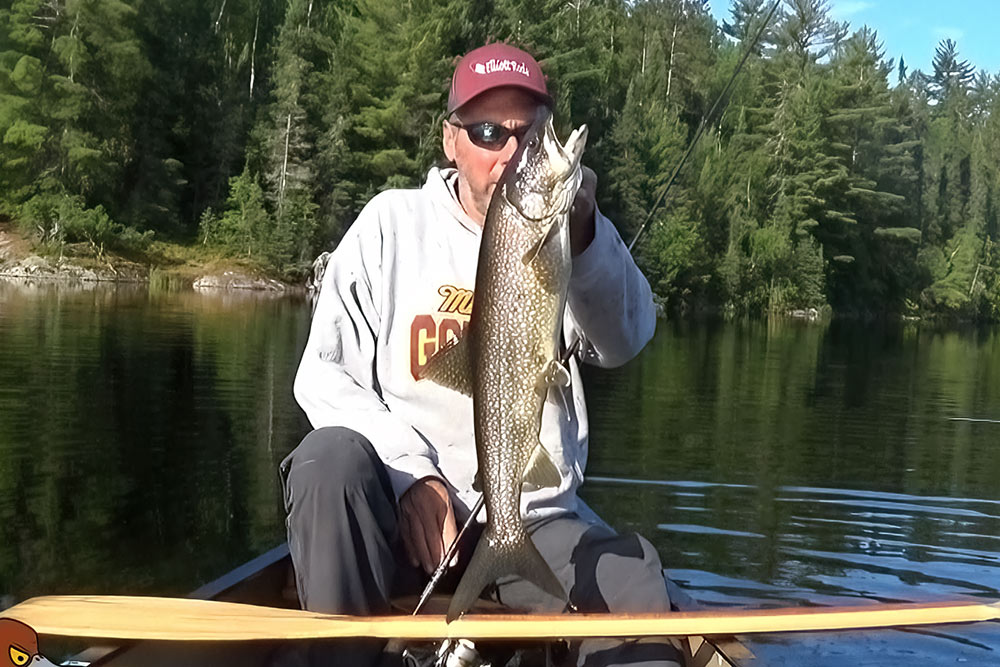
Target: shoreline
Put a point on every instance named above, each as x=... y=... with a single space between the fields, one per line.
x=178 y=266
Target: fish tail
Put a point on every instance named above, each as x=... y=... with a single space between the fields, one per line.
x=489 y=564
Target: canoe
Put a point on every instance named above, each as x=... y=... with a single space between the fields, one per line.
x=267 y=581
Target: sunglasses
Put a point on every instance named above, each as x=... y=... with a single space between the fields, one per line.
x=491 y=136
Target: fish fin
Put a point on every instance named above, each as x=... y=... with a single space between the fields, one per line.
x=477 y=483
x=451 y=367
x=541 y=470
x=536 y=247
x=554 y=375
x=565 y=404
x=489 y=564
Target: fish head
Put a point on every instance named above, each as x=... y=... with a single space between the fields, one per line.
x=544 y=175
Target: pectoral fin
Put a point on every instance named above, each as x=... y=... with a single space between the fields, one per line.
x=536 y=247
x=451 y=367
x=541 y=470
x=554 y=375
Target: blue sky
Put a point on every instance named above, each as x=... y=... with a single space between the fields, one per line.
x=913 y=28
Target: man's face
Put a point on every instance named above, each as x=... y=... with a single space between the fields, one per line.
x=479 y=169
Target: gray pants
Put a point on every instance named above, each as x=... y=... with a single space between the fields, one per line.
x=345 y=546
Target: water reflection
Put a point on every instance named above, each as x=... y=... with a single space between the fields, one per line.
x=824 y=463
x=139 y=433
x=781 y=463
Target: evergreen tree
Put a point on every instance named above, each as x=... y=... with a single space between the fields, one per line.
x=69 y=86
x=746 y=18
x=952 y=77
x=875 y=149
x=806 y=32
x=394 y=68
x=193 y=119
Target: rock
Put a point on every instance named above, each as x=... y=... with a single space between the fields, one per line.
x=805 y=313
x=34 y=266
x=233 y=280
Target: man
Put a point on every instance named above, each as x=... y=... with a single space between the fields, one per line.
x=375 y=494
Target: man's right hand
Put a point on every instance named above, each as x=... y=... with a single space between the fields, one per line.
x=427 y=523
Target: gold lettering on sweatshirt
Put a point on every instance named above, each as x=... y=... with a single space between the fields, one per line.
x=429 y=332
x=456 y=300
x=427 y=336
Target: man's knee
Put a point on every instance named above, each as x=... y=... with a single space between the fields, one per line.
x=618 y=573
x=633 y=583
x=332 y=459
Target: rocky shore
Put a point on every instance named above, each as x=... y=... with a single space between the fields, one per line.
x=19 y=261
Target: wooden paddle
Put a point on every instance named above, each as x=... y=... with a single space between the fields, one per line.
x=123 y=617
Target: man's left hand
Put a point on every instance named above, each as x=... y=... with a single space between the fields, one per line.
x=581 y=214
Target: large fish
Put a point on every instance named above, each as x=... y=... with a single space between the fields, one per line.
x=510 y=356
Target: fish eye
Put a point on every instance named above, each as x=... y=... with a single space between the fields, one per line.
x=18 y=657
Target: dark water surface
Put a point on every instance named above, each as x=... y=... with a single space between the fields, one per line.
x=778 y=463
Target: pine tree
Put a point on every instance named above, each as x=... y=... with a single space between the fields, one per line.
x=70 y=86
x=394 y=67
x=876 y=150
x=746 y=18
x=806 y=32
x=952 y=77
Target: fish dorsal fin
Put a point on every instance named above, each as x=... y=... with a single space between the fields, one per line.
x=451 y=367
x=541 y=470
x=536 y=247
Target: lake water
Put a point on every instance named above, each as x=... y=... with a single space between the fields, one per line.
x=780 y=463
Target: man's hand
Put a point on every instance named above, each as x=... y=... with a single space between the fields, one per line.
x=581 y=214
x=427 y=523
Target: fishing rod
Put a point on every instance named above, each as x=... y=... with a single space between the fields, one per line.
x=704 y=123
x=449 y=555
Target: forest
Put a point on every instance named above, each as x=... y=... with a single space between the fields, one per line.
x=835 y=177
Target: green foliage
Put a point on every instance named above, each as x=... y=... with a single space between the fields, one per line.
x=240 y=227
x=261 y=127
x=64 y=219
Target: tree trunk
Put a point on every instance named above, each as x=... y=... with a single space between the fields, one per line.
x=284 y=164
x=218 y=19
x=670 y=65
x=253 y=51
x=642 y=68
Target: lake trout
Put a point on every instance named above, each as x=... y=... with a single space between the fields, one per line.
x=509 y=358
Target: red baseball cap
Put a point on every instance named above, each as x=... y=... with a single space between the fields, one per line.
x=494 y=66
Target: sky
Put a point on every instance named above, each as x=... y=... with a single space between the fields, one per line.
x=913 y=28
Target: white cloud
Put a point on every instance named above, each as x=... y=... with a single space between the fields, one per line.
x=847 y=9
x=949 y=32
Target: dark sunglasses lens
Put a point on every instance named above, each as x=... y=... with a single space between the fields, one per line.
x=488 y=135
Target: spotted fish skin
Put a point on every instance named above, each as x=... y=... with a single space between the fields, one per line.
x=512 y=350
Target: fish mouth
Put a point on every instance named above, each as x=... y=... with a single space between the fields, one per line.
x=565 y=158
x=573 y=148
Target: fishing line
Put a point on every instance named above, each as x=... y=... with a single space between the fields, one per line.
x=704 y=123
